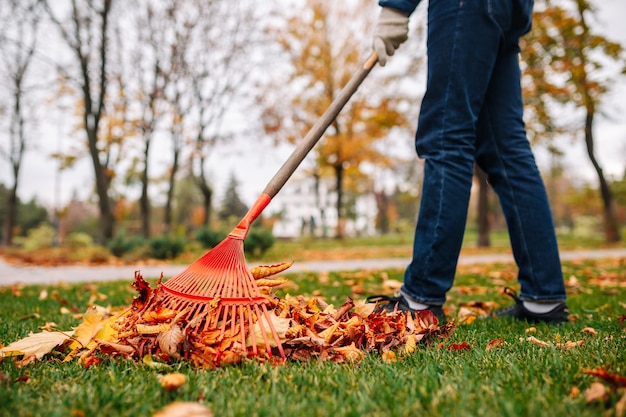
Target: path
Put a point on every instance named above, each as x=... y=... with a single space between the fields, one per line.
x=11 y=274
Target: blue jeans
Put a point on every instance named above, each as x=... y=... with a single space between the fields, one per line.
x=472 y=111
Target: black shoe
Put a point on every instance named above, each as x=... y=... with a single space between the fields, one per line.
x=399 y=303
x=559 y=314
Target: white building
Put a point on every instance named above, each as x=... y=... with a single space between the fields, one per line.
x=305 y=209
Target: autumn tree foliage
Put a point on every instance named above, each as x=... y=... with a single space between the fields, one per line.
x=324 y=43
x=566 y=67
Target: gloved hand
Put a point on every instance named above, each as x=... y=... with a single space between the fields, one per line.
x=391 y=30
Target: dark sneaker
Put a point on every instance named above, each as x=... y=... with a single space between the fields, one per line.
x=559 y=314
x=399 y=303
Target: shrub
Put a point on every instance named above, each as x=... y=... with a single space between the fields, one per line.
x=258 y=242
x=209 y=238
x=121 y=244
x=166 y=247
x=78 y=240
x=38 y=238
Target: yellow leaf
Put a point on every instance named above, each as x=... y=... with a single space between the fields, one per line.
x=173 y=381
x=351 y=352
x=36 y=345
x=262 y=271
x=87 y=330
x=389 y=356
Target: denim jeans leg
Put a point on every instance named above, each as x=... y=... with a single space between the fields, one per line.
x=504 y=153
x=463 y=43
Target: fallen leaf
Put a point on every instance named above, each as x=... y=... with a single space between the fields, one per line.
x=596 y=392
x=36 y=345
x=350 y=353
x=170 y=340
x=495 y=344
x=620 y=406
x=589 y=330
x=531 y=330
x=389 y=356
x=574 y=392
x=535 y=341
x=569 y=344
x=184 y=409
x=459 y=346
x=173 y=381
x=603 y=374
x=149 y=361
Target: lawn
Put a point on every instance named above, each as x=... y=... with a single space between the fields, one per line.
x=458 y=376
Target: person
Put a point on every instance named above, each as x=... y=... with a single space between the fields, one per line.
x=472 y=112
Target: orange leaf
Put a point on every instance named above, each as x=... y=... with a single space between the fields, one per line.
x=606 y=376
x=459 y=346
x=495 y=344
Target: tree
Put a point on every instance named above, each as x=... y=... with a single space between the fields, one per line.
x=149 y=56
x=324 y=53
x=232 y=206
x=86 y=30
x=221 y=64
x=564 y=64
x=21 y=23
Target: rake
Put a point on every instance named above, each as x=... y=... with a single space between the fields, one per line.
x=218 y=290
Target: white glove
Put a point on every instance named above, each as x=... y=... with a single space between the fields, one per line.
x=391 y=30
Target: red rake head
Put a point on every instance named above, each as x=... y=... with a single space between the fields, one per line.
x=219 y=292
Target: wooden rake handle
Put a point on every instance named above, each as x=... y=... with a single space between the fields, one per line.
x=313 y=136
x=304 y=147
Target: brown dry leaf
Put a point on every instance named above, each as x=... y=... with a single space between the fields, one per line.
x=589 y=330
x=36 y=345
x=281 y=325
x=170 y=340
x=569 y=344
x=596 y=392
x=535 y=341
x=173 y=381
x=184 y=409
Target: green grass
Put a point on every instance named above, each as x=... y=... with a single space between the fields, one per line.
x=515 y=380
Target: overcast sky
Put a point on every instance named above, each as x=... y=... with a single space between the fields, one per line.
x=39 y=175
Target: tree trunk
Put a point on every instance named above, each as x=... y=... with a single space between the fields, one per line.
x=483 y=224
x=339 y=204
x=382 y=204
x=170 y=194
x=9 y=221
x=144 y=200
x=611 y=227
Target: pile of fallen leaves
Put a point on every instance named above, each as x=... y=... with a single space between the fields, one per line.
x=307 y=329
